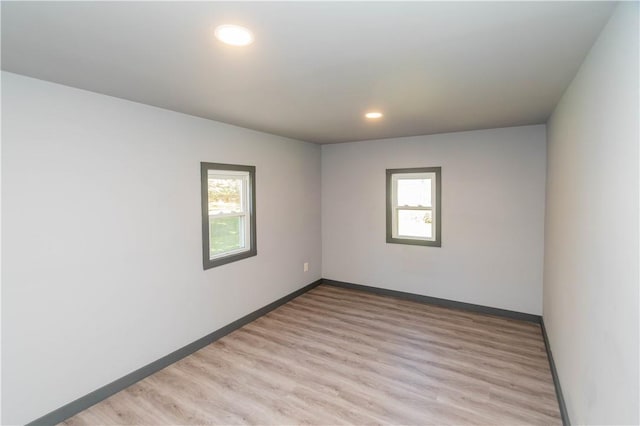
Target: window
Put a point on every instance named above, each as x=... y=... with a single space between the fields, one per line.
x=413 y=206
x=228 y=213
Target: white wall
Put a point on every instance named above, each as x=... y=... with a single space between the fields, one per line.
x=102 y=265
x=493 y=216
x=591 y=249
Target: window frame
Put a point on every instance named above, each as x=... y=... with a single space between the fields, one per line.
x=392 y=207
x=249 y=212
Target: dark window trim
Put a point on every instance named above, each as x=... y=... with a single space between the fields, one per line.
x=208 y=263
x=438 y=227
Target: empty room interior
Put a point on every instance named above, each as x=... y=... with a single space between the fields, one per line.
x=325 y=213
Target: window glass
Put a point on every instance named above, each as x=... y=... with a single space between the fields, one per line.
x=225 y=194
x=415 y=223
x=225 y=234
x=414 y=192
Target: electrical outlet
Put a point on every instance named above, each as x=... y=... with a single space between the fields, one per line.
x=306 y=266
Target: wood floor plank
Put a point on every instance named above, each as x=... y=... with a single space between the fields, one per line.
x=336 y=356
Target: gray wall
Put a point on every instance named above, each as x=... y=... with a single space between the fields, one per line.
x=102 y=265
x=591 y=248
x=492 y=216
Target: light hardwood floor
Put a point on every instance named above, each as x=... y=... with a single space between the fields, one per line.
x=335 y=356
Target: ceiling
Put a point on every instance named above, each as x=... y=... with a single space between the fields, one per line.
x=315 y=67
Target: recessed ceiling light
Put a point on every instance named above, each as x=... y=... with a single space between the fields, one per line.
x=234 y=35
x=373 y=114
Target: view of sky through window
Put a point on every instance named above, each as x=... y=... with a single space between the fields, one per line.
x=414 y=192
